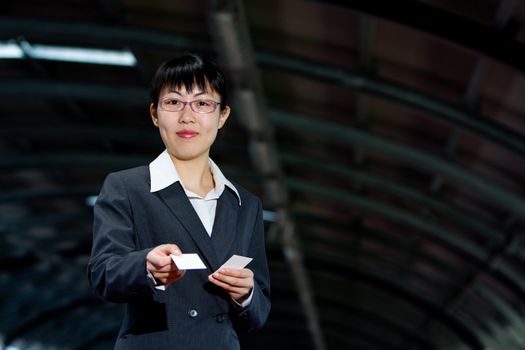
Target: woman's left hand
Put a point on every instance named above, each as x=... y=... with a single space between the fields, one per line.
x=238 y=283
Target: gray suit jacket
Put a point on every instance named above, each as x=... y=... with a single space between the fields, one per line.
x=192 y=313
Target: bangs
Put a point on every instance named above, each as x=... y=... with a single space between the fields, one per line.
x=178 y=78
x=189 y=71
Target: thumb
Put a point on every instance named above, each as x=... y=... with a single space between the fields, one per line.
x=173 y=249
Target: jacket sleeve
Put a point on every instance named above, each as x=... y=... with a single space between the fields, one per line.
x=116 y=270
x=254 y=316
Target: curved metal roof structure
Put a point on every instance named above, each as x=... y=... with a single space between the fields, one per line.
x=385 y=138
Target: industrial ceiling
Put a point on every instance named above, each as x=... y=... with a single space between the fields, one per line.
x=385 y=138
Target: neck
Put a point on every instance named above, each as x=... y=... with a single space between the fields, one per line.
x=195 y=174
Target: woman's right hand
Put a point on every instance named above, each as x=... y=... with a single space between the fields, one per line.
x=161 y=266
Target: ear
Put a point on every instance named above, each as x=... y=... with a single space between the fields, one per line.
x=225 y=113
x=153 y=113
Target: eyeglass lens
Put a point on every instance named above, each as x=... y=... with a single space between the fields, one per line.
x=198 y=106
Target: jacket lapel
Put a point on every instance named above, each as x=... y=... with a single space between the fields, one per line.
x=179 y=204
x=224 y=227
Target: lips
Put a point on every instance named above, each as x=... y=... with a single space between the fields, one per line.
x=187 y=134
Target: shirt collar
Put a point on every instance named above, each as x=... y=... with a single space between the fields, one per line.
x=163 y=174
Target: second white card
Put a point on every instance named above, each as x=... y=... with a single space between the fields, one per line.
x=237 y=262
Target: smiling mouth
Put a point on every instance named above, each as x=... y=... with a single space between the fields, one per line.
x=187 y=134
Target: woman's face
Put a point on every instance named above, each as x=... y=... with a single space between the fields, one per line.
x=188 y=135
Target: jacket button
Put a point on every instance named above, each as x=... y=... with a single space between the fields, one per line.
x=219 y=318
x=193 y=313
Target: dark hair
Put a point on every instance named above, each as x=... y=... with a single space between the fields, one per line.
x=189 y=70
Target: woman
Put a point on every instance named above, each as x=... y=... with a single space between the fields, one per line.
x=181 y=203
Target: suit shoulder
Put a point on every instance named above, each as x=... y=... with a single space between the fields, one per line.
x=126 y=174
x=129 y=176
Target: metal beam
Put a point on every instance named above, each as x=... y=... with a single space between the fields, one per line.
x=395 y=214
x=514 y=327
x=368 y=257
x=471 y=96
x=415 y=157
x=62 y=192
x=230 y=30
x=369 y=179
x=439 y=109
x=80 y=132
x=92 y=160
x=311 y=219
x=37 y=317
x=382 y=282
x=444 y=236
x=354 y=136
x=375 y=317
x=98 y=34
x=134 y=96
x=367 y=38
x=21 y=225
x=338 y=255
x=471 y=100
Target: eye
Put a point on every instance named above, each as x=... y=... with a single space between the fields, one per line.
x=172 y=101
x=204 y=103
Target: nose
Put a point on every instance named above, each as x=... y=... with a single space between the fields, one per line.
x=186 y=115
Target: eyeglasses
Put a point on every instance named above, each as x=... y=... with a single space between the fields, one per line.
x=170 y=104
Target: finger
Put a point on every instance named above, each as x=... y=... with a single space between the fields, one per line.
x=155 y=262
x=234 y=276
x=165 y=268
x=226 y=286
x=166 y=249
x=168 y=274
x=167 y=277
x=234 y=292
x=233 y=281
x=174 y=249
x=160 y=255
x=239 y=273
x=158 y=261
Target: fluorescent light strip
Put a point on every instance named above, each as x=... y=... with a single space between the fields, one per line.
x=71 y=54
x=91 y=200
x=269 y=216
x=10 y=50
x=67 y=54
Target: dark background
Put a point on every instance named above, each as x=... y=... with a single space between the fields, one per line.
x=385 y=138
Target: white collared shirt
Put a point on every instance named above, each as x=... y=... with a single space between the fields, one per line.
x=163 y=174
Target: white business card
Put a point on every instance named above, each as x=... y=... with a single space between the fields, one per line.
x=236 y=262
x=188 y=262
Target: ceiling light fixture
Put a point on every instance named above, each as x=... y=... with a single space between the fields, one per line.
x=91 y=200
x=14 y=50
x=10 y=50
x=269 y=216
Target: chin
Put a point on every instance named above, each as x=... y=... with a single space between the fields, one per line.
x=183 y=156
